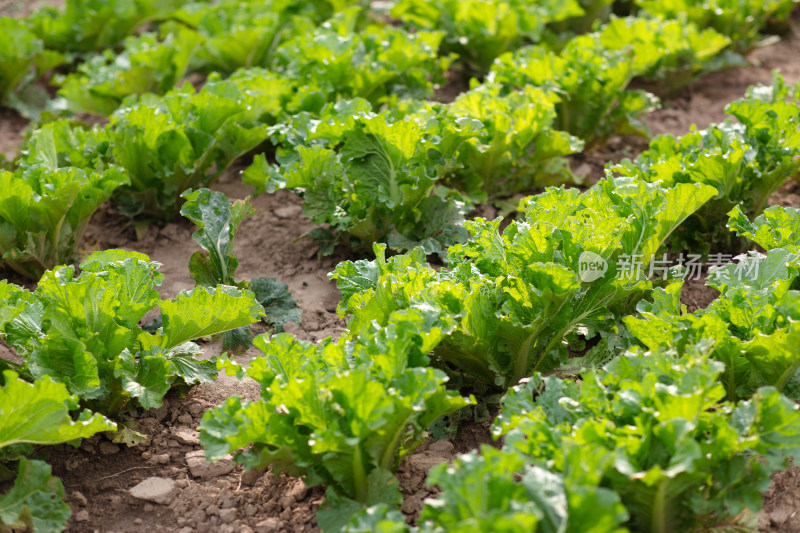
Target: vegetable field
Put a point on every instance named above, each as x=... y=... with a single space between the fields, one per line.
x=454 y=265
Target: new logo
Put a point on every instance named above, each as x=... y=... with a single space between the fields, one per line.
x=591 y=267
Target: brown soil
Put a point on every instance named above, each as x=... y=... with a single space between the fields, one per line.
x=98 y=474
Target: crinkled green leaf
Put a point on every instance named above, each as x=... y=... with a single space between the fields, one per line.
x=776 y=227
x=677 y=457
x=373 y=178
x=745 y=162
x=84 y=332
x=45 y=211
x=185 y=139
x=145 y=65
x=145 y=377
x=277 y=301
x=91 y=25
x=740 y=20
x=518 y=148
x=218 y=220
x=38 y=413
x=518 y=298
x=480 y=30
x=379 y=63
x=35 y=501
x=205 y=311
x=343 y=414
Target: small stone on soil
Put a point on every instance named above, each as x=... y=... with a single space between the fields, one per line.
x=443 y=446
x=185 y=418
x=298 y=490
x=79 y=498
x=108 y=448
x=199 y=467
x=82 y=516
x=161 y=459
x=287 y=211
x=269 y=525
x=155 y=489
x=424 y=461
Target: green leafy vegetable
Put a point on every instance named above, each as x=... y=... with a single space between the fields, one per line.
x=242 y=34
x=678 y=457
x=93 y=25
x=776 y=227
x=46 y=204
x=740 y=20
x=523 y=299
x=145 y=65
x=35 y=501
x=745 y=162
x=218 y=220
x=372 y=178
x=338 y=61
x=591 y=81
x=343 y=414
x=84 y=331
x=23 y=59
x=518 y=149
x=185 y=139
x=752 y=326
x=38 y=414
x=672 y=50
x=591 y=73
x=499 y=491
x=480 y=30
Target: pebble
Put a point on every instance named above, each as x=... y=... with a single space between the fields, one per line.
x=288 y=211
x=199 y=467
x=82 y=516
x=286 y=502
x=155 y=489
x=424 y=462
x=79 y=498
x=442 y=446
x=161 y=459
x=269 y=525
x=186 y=436
x=298 y=490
